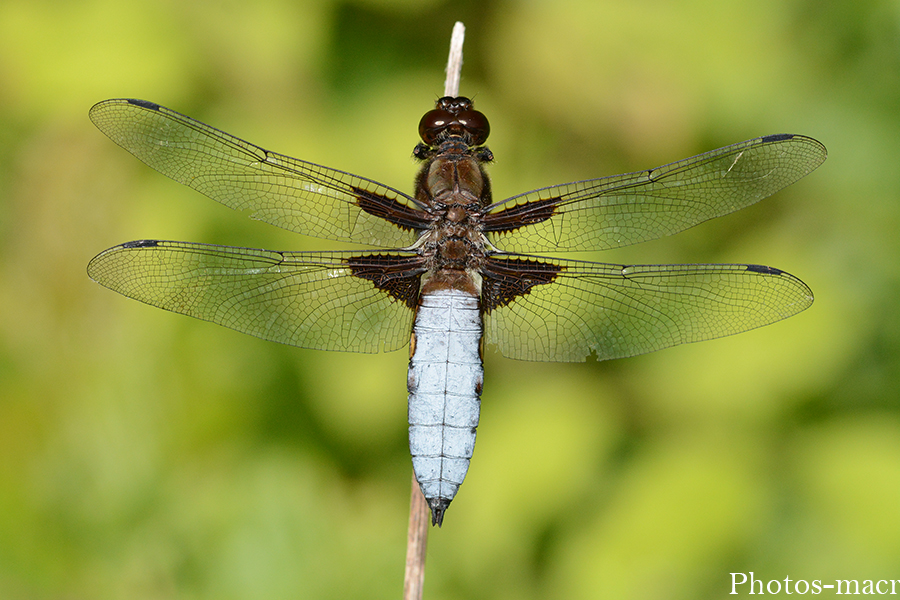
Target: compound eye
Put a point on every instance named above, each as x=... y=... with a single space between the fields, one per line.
x=476 y=124
x=432 y=123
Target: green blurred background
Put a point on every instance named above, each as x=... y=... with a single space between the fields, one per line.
x=145 y=455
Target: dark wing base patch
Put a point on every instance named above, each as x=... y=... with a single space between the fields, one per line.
x=399 y=276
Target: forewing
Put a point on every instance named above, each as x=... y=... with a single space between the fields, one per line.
x=610 y=212
x=551 y=310
x=321 y=300
x=296 y=195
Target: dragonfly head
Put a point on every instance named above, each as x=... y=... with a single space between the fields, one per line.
x=454 y=116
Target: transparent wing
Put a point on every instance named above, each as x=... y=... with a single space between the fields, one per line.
x=296 y=195
x=569 y=310
x=610 y=212
x=320 y=300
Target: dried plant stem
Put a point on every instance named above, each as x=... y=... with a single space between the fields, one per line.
x=416 y=543
x=454 y=63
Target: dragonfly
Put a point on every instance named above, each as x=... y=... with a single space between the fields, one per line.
x=449 y=267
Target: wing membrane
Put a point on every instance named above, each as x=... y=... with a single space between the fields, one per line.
x=299 y=196
x=614 y=311
x=610 y=212
x=305 y=299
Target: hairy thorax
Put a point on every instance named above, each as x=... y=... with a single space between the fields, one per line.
x=455 y=189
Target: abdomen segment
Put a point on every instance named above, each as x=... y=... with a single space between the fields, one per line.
x=444 y=382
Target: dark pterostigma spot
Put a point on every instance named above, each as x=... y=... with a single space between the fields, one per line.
x=764 y=270
x=505 y=280
x=398 y=276
x=144 y=104
x=515 y=217
x=141 y=244
x=778 y=137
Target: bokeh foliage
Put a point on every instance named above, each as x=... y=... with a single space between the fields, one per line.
x=147 y=455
